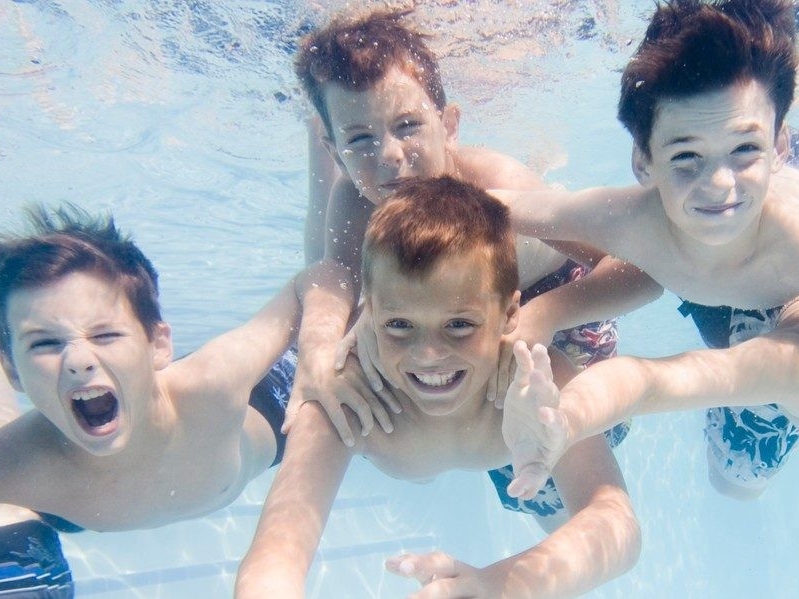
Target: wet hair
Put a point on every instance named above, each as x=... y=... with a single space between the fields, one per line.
x=433 y=218
x=691 y=47
x=356 y=53
x=68 y=240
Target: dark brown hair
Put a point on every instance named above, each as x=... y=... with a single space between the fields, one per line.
x=68 y=240
x=357 y=53
x=691 y=47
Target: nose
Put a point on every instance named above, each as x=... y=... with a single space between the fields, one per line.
x=390 y=151
x=429 y=349
x=722 y=177
x=78 y=359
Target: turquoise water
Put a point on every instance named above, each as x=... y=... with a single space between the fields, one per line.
x=183 y=118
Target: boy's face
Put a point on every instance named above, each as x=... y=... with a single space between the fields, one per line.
x=83 y=358
x=390 y=131
x=438 y=337
x=712 y=156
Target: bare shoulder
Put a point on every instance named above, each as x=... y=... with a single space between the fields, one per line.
x=30 y=449
x=489 y=169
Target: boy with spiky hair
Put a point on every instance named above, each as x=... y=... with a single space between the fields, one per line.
x=82 y=336
x=716 y=220
x=440 y=282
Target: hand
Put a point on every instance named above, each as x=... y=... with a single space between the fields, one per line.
x=533 y=427
x=361 y=338
x=442 y=576
x=314 y=382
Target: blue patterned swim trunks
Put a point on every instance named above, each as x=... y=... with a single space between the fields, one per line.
x=32 y=565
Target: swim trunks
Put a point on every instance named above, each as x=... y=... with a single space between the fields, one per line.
x=584 y=345
x=747 y=445
x=32 y=565
x=271 y=395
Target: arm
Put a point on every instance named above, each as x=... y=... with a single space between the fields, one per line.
x=596 y=216
x=613 y=288
x=328 y=291
x=764 y=369
x=322 y=174
x=296 y=510
x=237 y=360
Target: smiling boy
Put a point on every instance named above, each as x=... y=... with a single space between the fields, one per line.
x=440 y=280
x=716 y=221
x=377 y=89
x=123 y=437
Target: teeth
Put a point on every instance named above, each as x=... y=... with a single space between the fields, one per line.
x=438 y=379
x=86 y=394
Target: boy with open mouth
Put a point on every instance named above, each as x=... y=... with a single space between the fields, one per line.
x=122 y=436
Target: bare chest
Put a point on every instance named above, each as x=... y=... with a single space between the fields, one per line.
x=418 y=453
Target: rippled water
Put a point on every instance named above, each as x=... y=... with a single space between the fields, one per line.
x=184 y=119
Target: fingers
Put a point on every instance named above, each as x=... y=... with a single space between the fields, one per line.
x=343 y=349
x=339 y=421
x=524 y=363
x=541 y=361
x=379 y=412
x=291 y=412
x=424 y=568
x=369 y=370
x=529 y=481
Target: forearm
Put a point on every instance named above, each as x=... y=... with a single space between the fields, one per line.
x=327 y=295
x=604 y=394
x=761 y=370
x=599 y=543
x=295 y=511
x=611 y=289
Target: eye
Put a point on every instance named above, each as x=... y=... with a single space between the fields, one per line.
x=358 y=139
x=747 y=148
x=106 y=337
x=45 y=344
x=398 y=327
x=686 y=156
x=461 y=327
x=408 y=128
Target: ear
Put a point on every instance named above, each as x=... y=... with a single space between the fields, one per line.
x=451 y=117
x=162 y=345
x=782 y=148
x=330 y=146
x=640 y=164
x=512 y=313
x=11 y=372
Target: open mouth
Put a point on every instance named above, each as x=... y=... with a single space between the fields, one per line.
x=436 y=382
x=96 y=411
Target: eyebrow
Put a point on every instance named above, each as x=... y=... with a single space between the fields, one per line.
x=750 y=128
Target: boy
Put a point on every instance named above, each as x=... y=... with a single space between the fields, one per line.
x=377 y=90
x=440 y=282
x=716 y=220
x=122 y=437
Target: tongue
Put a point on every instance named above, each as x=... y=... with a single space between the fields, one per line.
x=99 y=410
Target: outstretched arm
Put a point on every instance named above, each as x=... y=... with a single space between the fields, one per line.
x=603 y=217
x=613 y=288
x=296 y=510
x=763 y=370
x=231 y=364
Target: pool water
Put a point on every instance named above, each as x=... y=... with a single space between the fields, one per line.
x=184 y=119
